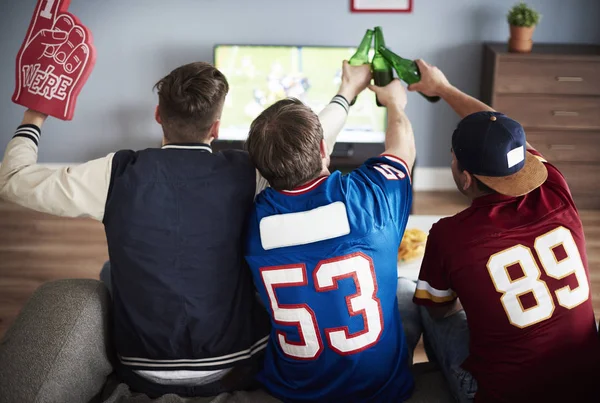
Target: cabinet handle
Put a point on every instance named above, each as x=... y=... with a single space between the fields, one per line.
x=562 y=147
x=567 y=79
x=565 y=113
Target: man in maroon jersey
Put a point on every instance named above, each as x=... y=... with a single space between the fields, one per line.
x=517 y=262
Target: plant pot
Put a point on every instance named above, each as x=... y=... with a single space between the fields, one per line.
x=521 y=33
x=519 y=46
x=520 y=39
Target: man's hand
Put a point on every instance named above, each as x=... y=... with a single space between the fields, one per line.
x=32 y=117
x=392 y=95
x=54 y=61
x=354 y=80
x=433 y=81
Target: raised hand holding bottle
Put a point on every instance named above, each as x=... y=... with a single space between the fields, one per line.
x=362 y=53
x=407 y=70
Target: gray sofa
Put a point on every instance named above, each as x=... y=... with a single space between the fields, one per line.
x=58 y=350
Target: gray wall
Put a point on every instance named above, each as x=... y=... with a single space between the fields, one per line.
x=138 y=41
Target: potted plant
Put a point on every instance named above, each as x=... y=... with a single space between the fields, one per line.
x=522 y=20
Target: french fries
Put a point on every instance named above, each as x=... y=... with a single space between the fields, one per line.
x=412 y=245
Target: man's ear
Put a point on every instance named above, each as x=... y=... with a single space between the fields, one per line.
x=214 y=130
x=157 y=116
x=324 y=149
x=469 y=180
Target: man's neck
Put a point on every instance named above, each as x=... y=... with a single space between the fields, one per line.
x=208 y=141
x=324 y=172
x=477 y=194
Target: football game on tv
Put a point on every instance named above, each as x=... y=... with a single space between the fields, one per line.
x=262 y=75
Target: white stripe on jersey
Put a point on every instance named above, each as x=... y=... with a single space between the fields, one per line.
x=293 y=229
x=398 y=161
x=424 y=285
x=205 y=148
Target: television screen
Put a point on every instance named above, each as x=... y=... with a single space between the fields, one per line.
x=261 y=75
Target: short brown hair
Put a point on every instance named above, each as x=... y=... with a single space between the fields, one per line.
x=190 y=99
x=285 y=144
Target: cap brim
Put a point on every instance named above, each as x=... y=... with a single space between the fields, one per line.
x=530 y=177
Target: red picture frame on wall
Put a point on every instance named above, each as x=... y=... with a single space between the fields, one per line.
x=381 y=6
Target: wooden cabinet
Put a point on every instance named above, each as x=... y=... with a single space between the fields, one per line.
x=554 y=92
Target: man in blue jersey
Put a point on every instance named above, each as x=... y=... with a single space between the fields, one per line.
x=322 y=248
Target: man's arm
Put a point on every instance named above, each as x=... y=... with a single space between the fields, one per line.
x=333 y=117
x=444 y=311
x=354 y=81
x=434 y=83
x=399 y=136
x=434 y=289
x=70 y=191
x=463 y=104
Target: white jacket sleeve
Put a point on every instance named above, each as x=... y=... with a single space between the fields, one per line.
x=74 y=191
x=333 y=118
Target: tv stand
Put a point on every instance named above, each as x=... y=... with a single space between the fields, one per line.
x=345 y=156
x=343 y=150
x=348 y=156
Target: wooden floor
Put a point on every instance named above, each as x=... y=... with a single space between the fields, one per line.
x=35 y=248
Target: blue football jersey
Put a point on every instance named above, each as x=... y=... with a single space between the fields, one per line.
x=323 y=259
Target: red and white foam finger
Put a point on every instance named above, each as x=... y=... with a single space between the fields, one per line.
x=45 y=15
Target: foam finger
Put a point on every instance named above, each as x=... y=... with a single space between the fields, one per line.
x=53 y=7
x=51 y=40
x=77 y=58
x=64 y=23
x=46 y=13
x=76 y=37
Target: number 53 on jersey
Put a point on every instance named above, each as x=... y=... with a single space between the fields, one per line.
x=326 y=275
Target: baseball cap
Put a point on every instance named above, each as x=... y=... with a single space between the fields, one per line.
x=492 y=147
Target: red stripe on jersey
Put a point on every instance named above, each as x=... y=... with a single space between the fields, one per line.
x=305 y=188
x=398 y=161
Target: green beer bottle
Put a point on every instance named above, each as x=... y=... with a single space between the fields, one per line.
x=362 y=53
x=407 y=70
x=383 y=74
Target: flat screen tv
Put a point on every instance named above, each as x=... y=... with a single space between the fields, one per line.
x=261 y=75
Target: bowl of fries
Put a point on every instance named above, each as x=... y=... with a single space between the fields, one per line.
x=412 y=246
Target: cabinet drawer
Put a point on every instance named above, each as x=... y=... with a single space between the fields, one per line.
x=566 y=146
x=586 y=201
x=548 y=77
x=581 y=179
x=551 y=112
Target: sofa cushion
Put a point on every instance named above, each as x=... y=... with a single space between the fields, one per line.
x=56 y=350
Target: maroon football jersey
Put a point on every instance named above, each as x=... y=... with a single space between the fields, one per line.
x=519 y=267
